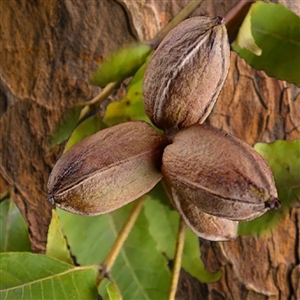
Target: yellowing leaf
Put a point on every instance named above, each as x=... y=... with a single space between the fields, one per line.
x=131 y=107
x=56 y=242
x=125 y=110
x=245 y=39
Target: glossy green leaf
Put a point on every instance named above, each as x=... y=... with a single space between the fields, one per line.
x=271 y=34
x=163 y=226
x=88 y=127
x=113 y=292
x=56 y=243
x=35 y=276
x=120 y=65
x=65 y=127
x=284 y=159
x=140 y=270
x=131 y=107
x=13 y=229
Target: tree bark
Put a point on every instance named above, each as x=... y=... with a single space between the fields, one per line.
x=49 y=49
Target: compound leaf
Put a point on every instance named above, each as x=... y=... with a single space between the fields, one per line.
x=35 y=276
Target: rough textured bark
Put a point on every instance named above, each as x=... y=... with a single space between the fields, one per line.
x=48 y=50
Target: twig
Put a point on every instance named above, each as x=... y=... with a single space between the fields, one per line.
x=104 y=94
x=119 y=242
x=97 y=100
x=183 y=14
x=177 y=259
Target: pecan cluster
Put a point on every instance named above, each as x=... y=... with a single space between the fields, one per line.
x=213 y=179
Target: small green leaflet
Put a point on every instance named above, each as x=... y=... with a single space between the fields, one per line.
x=65 y=127
x=131 y=107
x=113 y=292
x=120 y=65
x=128 y=109
x=88 y=127
x=284 y=159
x=35 y=276
x=13 y=228
x=269 y=40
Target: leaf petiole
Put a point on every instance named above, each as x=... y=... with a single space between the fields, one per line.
x=119 y=242
x=97 y=100
x=177 y=259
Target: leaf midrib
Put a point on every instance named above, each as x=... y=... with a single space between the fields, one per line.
x=276 y=36
x=71 y=270
x=125 y=258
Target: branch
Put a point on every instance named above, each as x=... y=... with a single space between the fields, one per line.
x=97 y=100
x=177 y=259
x=182 y=15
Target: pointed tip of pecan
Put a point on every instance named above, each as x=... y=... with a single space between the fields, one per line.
x=220 y=20
x=273 y=203
x=50 y=199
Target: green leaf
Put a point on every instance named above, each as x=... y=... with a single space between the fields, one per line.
x=245 y=39
x=65 y=127
x=88 y=127
x=163 y=221
x=273 y=29
x=163 y=226
x=35 y=276
x=56 y=243
x=136 y=83
x=264 y=224
x=13 y=229
x=192 y=262
x=84 y=234
x=120 y=65
x=131 y=107
x=140 y=270
x=284 y=159
x=113 y=292
x=128 y=109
